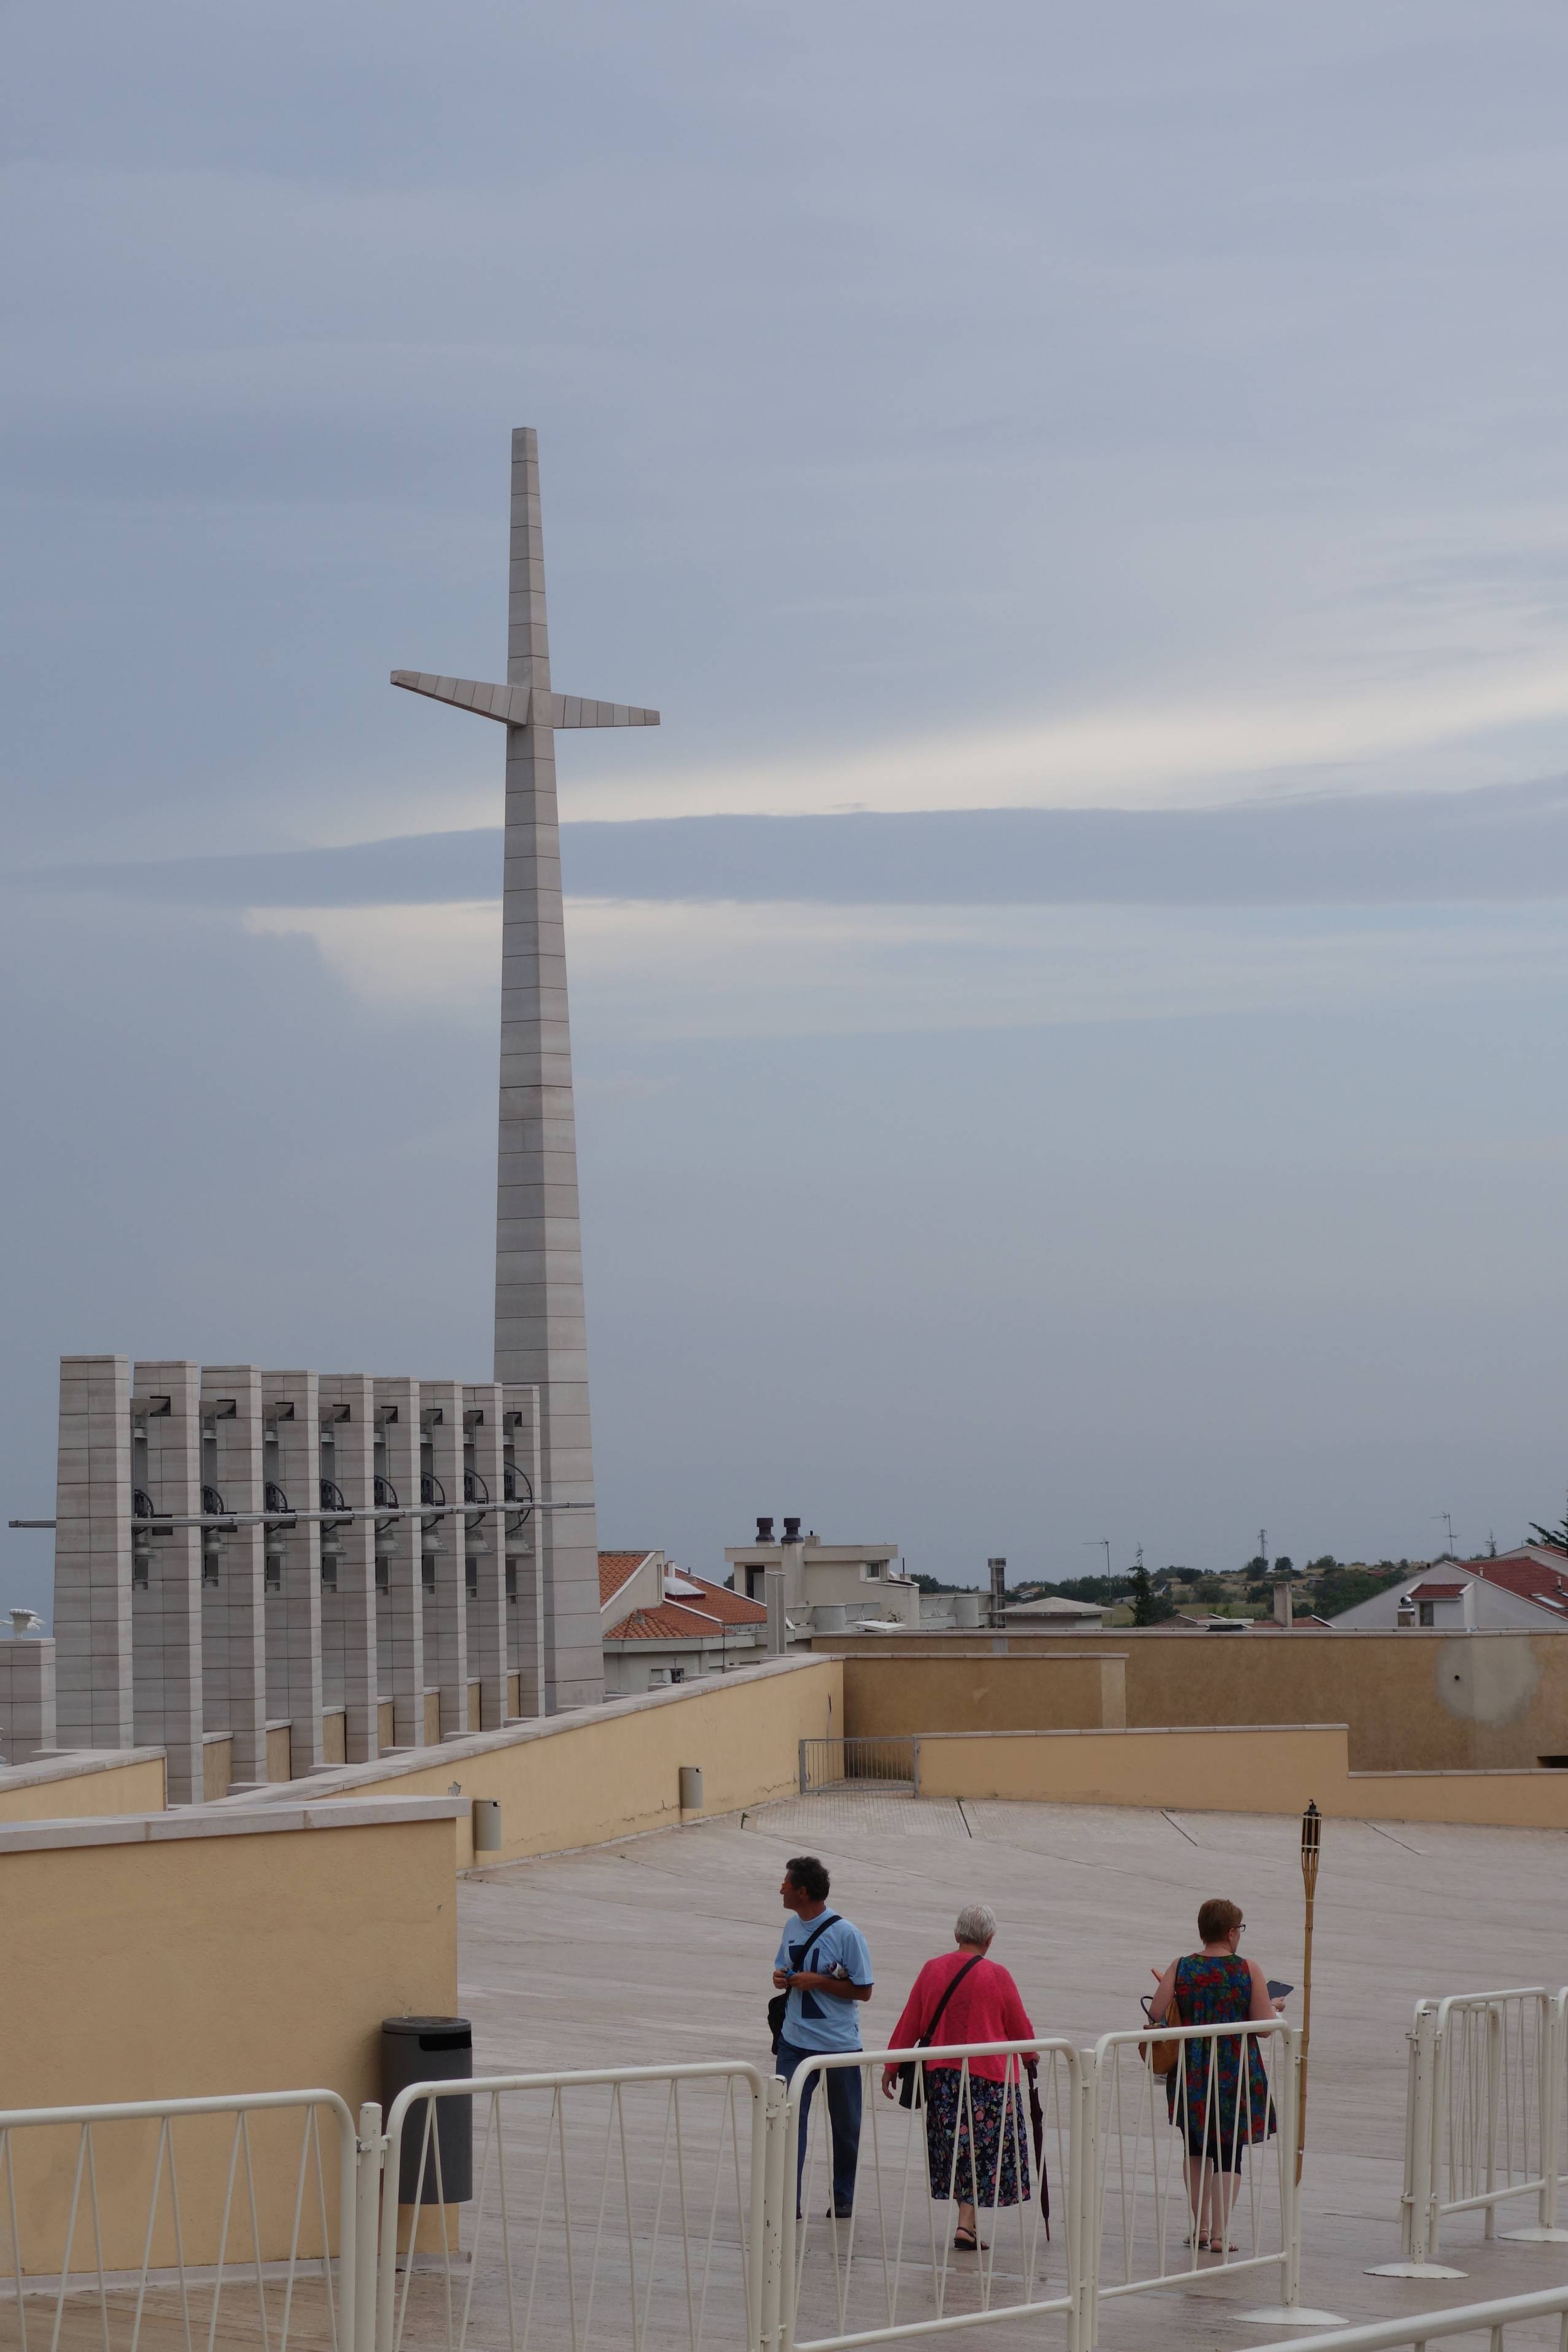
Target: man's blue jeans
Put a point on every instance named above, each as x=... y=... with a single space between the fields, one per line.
x=844 y=2115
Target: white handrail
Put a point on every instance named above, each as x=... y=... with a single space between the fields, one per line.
x=1104 y=2081
x=612 y=2221
x=248 y=2204
x=884 y=2258
x=1419 y=2329
x=1484 y=2118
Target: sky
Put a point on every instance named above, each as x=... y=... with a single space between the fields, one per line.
x=1068 y=1007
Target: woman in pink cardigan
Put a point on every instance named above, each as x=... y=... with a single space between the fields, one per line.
x=977 y=2134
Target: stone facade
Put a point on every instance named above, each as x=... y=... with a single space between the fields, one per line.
x=348 y=1562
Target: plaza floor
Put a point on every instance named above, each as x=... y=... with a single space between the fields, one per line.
x=659 y=1951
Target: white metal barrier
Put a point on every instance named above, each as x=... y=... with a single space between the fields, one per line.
x=1169 y=2156
x=888 y=2267
x=1418 y=2329
x=617 y=2208
x=179 y=2217
x=1484 y=2116
x=891 y=1760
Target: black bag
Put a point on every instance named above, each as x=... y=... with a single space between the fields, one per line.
x=909 y=2071
x=780 y=2000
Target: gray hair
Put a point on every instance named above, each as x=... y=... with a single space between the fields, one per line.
x=976 y=1923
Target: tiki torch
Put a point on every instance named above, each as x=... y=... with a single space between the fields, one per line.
x=1312 y=1838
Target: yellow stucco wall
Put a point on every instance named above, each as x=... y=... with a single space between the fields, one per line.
x=613 y=1771
x=891 y=1695
x=1260 y=1769
x=77 y=1795
x=208 y=1964
x=1413 y=1701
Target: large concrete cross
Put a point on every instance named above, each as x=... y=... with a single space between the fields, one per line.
x=539 y=1333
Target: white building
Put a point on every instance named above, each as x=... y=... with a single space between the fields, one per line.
x=1520 y=1592
x=662 y=1624
x=862 y=1579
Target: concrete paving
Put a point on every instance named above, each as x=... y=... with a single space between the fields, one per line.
x=659 y=1951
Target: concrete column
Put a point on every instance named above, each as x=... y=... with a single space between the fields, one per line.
x=778 y=1624
x=166 y=1618
x=348 y=1403
x=540 y=1332
x=291 y=1409
x=234 y=1611
x=485 y=1454
x=27 y=1700
x=92 y=1554
x=446 y=1608
x=403 y=1604
x=526 y=1609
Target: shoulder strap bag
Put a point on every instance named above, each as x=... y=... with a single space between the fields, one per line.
x=780 y=2000
x=911 y=2068
x=1161 y=2055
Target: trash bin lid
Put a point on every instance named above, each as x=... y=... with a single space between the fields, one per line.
x=427 y=2025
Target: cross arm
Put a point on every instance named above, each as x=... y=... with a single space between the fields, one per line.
x=520 y=706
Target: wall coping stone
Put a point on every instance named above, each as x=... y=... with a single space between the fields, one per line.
x=218 y=1821
x=408 y=1760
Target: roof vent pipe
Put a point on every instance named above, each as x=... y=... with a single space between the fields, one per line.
x=791 y=1530
x=765 y=1531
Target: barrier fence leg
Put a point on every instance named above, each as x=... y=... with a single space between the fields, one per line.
x=1083 y=2209
x=1550 y=2069
x=371 y=2155
x=1289 y=2312
x=1425 y=2118
x=775 y=2320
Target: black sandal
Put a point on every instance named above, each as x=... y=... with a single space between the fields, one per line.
x=967 y=2242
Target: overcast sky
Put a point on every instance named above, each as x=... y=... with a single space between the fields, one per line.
x=1069 y=1006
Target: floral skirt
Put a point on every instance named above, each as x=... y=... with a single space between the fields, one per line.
x=975 y=2126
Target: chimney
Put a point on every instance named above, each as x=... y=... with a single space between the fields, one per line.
x=1283 y=1605
x=764 y=1531
x=791 y=1529
x=998 y=1573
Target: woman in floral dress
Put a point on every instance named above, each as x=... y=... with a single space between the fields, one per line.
x=976 y=2133
x=1219 y=2105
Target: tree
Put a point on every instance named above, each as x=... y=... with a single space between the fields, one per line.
x=1283 y=1569
x=1340 y=1589
x=1149 y=1607
x=1555 y=1538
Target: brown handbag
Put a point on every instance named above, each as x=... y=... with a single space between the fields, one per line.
x=1161 y=2055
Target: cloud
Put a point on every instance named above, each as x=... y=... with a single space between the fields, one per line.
x=1506 y=843
x=667 y=969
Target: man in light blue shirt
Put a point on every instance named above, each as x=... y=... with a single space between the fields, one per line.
x=824 y=1967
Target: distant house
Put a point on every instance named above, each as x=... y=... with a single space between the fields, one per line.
x=1052 y=1613
x=661 y=1625
x=827 y=1587
x=1521 y=1590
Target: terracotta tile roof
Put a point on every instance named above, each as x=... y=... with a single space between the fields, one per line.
x=1533 y=1572
x=1436 y=1592
x=616 y=1568
x=677 y=1620
x=718 y=1600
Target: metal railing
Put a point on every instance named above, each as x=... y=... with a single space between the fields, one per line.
x=1172 y=2160
x=1416 y=2330
x=1484 y=2118
x=180 y=2218
x=615 y=2207
x=888 y=2267
x=887 y=1762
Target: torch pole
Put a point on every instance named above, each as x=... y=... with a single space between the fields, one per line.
x=1311 y=1837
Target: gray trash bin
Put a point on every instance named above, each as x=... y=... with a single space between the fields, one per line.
x=431 y=2050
